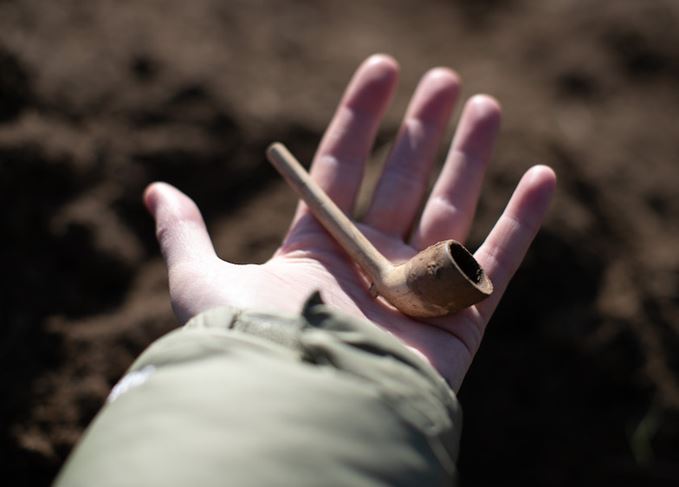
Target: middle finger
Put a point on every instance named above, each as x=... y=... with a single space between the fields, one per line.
x=406 y=172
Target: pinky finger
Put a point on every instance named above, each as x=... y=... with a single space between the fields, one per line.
x=507 y=244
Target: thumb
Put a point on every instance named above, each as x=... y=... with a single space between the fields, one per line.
x=180 y=228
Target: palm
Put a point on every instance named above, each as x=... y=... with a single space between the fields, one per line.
x=309 y=260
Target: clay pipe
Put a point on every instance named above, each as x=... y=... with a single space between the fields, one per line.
x=443 y=278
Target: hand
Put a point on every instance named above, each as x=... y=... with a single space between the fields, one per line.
x=310 y=260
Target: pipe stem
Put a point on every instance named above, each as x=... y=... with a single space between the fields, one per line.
x=350 y=238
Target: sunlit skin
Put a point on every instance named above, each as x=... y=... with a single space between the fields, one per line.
x=309 y=260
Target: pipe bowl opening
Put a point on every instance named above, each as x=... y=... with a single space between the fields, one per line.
x=469 y=267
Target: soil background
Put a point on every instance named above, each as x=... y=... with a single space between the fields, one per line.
x=578 y=385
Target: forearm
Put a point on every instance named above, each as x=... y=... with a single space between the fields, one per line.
x=249 y=399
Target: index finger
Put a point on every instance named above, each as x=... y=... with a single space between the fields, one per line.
x=348 y=140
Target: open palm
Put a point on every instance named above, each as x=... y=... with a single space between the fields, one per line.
x=309 y=259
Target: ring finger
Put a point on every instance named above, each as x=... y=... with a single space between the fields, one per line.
x=452 y=204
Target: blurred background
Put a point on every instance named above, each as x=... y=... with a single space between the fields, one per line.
x=576 y=386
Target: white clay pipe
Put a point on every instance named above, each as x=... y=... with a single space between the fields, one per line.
x=442 y=279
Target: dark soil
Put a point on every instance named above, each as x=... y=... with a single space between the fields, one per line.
x=578 y=385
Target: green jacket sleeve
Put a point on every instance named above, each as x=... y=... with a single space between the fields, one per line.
x=251 y=399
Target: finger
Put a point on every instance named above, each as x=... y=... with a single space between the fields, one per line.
x=452 y=204
x=507 y=244
x=338 y=164
x=180 y=228
x=406 y=173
